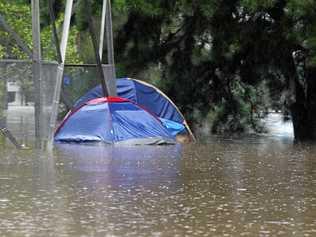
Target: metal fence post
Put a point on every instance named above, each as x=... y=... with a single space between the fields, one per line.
x=109 y=71
x=36 y=69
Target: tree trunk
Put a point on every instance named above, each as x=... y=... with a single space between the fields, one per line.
x=303 y=110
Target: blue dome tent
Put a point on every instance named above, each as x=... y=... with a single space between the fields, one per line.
x=150 y=98
x=112 y=120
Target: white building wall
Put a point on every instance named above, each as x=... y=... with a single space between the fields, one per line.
x=15 y=88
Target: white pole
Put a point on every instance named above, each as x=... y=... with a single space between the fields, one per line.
x=102 y=28
x=110 y=70
x=60 y=73
x=66 y=26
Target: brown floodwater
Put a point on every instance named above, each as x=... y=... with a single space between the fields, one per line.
x=254 y=186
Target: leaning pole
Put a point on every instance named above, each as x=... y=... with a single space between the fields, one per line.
x=60 y=73
x=110 y=48
x=109 y=68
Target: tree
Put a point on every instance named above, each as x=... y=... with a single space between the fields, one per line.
x=200 y=58
x=208 y=48
x=17 y=14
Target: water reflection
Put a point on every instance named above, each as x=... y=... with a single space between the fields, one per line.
x=31 y=201
x=120 y=165
x=112 y=188
x=277 y=127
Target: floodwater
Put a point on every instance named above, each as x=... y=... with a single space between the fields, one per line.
x=254 y=186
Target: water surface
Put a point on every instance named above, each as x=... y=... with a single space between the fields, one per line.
x=255 y=186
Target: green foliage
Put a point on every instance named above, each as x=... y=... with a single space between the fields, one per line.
x=149 y=8
x=243 y=113
x=225 y=61
x=81 y=15
x=18 y=15
x=255 y=5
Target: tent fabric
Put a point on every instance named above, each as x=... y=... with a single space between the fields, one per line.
x=173 y=127
x=112 y=120
x=142 y=94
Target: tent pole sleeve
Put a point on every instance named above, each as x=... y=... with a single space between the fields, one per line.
x=190 y=132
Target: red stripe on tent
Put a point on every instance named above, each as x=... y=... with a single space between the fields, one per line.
x=109 y=99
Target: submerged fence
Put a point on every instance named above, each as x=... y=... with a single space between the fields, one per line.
x=18 y=96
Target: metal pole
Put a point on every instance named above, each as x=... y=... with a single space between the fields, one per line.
x=36 y=69
x=110 y=71
x=6 y=133
x=66 y=26
x=54 y=29
x=60 y=72
x=100 y=72
x=109 y=33
x=102 y=28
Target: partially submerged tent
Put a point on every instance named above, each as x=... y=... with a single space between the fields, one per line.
x=112 y=120
x=148 y=97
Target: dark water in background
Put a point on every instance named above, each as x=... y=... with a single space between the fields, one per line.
x=254 y=186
